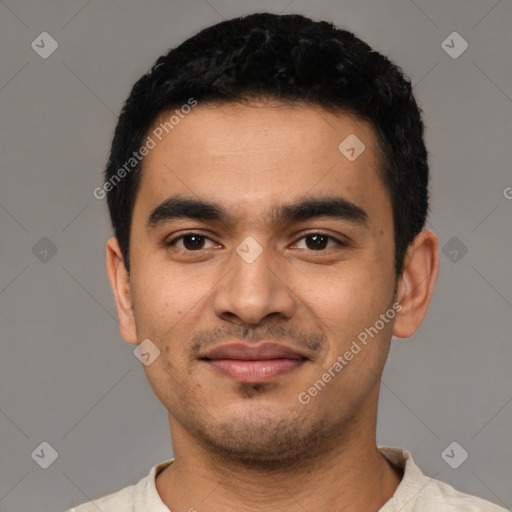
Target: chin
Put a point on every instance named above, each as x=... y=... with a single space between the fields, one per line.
x=262 y=438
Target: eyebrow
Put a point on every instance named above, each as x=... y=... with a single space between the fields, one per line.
x=335 y=207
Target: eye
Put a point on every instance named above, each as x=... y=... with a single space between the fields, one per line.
x=320 y=241
x=190 y=242
x=194 y=242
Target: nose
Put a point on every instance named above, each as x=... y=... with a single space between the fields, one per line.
x=253 y=290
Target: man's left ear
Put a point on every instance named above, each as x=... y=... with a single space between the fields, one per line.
x=416 y=284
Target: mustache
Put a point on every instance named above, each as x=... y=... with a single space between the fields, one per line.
x=205 y=339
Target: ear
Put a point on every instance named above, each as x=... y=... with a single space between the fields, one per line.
x=416 y=284
x=120 y=282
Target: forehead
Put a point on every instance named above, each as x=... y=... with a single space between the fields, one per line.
x=252 y=156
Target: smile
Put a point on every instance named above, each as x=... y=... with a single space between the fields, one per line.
x=255 y=371
x=254 y=364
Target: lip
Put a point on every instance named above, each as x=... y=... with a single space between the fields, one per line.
x=253 y=363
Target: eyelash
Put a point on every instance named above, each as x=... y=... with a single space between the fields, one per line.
x=340 y=243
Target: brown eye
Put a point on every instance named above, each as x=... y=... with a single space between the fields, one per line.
x=317 y=241
x=320 y=241
x=189 y=242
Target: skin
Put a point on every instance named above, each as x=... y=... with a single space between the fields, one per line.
x=241 y=447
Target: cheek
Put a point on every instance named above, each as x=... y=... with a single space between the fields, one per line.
x=161 y=300
x=347 y=301
x=353 y=286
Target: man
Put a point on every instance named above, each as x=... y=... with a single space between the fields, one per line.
x=267 y=185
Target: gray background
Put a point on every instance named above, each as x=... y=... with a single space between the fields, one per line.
x=69 y=379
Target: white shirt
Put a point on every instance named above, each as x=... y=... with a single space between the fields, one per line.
x=416 y=493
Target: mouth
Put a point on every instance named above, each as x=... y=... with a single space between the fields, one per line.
x=254 y=364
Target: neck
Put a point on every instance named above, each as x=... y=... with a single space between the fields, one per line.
x=348 y=474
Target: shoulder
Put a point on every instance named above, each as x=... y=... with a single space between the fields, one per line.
x=120 y=501
x=439 y=495
x=417 y=492
x=140 y=497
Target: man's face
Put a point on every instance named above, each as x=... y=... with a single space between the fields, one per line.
x=304 y=291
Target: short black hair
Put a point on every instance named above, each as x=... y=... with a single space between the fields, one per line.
x=289 y=58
